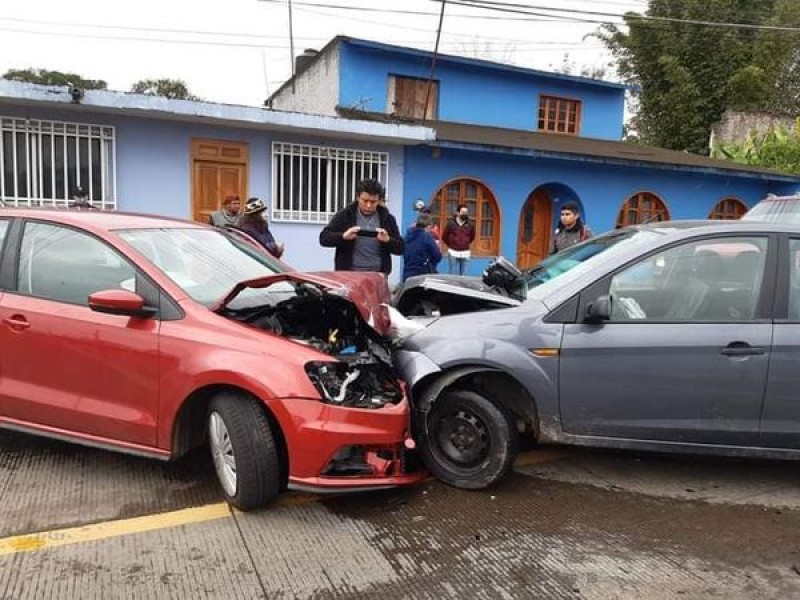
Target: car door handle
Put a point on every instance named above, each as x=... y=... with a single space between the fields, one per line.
x=17 y=322
x=742 y=349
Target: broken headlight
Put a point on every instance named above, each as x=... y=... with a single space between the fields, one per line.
x=356 y=383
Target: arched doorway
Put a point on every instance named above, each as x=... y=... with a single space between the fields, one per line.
x=538 y=219
x=483 y=211
x=535 y=227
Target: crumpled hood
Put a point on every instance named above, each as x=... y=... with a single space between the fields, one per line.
x=367 y=291
x=473 y=287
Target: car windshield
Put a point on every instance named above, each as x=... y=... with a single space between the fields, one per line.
x=580 y=259
x=785 y=210
x=207 y=263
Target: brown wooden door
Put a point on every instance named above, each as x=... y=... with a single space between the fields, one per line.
x=535 y=225
x=410 y=96
x=219 y=169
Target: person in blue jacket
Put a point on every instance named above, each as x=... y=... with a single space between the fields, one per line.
x=421 y=254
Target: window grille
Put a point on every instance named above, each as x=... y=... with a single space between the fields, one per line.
x=43 y=162
x=312 y=183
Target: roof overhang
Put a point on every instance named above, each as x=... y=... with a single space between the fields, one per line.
x=209 y=113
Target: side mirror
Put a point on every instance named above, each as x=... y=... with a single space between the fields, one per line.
x=120 y=302
x=599 y=309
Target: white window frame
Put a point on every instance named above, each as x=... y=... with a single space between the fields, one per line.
x=325 y=179
x=26 y=186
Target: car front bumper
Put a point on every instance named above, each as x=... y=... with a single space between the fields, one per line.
x=337 y=448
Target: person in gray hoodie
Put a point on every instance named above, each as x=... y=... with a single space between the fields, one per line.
x=570 y=230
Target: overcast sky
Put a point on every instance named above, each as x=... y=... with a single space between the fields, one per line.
x=237 y=51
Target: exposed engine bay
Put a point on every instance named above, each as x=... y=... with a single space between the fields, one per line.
x=362 y=374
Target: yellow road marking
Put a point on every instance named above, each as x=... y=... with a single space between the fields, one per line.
x=109 y=529
x=100 y=531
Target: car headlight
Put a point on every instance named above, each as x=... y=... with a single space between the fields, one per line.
x=358 y=384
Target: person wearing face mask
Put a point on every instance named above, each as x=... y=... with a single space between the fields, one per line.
x=458 y=234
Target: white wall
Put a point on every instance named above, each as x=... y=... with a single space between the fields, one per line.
x=316 y=90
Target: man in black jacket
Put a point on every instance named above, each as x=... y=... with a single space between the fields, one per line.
x=364 y=233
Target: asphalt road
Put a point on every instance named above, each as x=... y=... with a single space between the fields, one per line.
x=84 y=523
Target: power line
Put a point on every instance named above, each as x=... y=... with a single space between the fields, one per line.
x=522 y=8
x=146 y=29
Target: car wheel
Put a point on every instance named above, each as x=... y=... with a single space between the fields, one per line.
x=468 y=441
x=244 y=451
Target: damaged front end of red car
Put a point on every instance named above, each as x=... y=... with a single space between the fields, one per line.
x=360 y=428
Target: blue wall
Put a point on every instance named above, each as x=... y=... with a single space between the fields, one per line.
x=476 y=94
x=600 y=187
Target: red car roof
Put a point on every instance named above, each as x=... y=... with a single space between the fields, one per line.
x=98 y=219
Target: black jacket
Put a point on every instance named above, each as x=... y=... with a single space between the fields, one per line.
x=331 y=237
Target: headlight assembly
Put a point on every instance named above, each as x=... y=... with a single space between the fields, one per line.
x=356 y=383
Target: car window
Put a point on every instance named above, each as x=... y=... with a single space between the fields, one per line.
x=63 y=264
x=712 y=280
x=3 y=229
x=794 y=280
x=207 y=263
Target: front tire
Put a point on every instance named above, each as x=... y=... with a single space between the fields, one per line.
x=467 y=440
x=243 y=448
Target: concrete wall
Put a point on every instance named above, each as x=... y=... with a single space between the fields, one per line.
x=316 y=90
x=600 y=187
x=475 y=94
x=153 y=168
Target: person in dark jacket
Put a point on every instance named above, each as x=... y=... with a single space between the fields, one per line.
x=458 y=234
x=365 y=234
x=253 y=222
x=421 y=253
x=571 y=229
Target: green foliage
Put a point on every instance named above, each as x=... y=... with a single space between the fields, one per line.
x=175 y=89
x=686 y=75
x=45 y=77
x=778 y=148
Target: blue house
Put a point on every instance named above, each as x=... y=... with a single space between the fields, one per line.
x=514 y=144
x=180 y=158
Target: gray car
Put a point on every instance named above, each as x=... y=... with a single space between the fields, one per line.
x=680 y=336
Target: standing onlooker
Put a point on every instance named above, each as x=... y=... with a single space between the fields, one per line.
x=253 y=222
x=228 y=214
x=364 y=233
x=571 y=229
x=421 y=253
x=458 y=234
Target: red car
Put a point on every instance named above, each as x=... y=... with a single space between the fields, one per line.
x=151 y=335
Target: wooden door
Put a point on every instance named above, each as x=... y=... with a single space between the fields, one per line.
x=219 y=169
x=535 y=228
x=409 y=97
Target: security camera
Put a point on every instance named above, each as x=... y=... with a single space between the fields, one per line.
x=76 y=93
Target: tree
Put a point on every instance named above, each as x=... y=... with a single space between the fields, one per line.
x=174 y=89
x=687 y=74
x=778 y=148
x=568 y=67
x=45 y=77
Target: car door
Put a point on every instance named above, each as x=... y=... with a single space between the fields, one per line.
x=4 y=349
x=780 y=420
x=685 y=353
x=68 y=368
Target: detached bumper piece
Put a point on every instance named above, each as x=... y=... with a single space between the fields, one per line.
x=361 y=461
